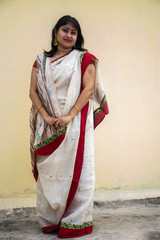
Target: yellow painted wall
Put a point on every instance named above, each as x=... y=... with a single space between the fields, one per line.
x=125 y=36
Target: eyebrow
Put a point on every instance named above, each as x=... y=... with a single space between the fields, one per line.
x=73 y=29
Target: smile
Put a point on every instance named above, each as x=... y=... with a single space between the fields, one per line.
x=67 y=40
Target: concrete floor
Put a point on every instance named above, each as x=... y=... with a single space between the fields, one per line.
x=116 y=220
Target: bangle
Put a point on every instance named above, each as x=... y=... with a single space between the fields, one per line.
x=39 y=108
x=77 y=108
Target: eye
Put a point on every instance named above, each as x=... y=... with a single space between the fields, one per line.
x=73 y=33
x=65 y=30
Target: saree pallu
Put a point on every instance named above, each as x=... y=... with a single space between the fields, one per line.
x=63 y=161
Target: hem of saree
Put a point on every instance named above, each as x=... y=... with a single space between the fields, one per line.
x=35 y=171
x=49 y=140
x=49 y=229
x=50 y=147
x=101 y=115
x=71 y=233
x=47 y=150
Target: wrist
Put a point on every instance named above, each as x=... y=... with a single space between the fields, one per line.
x=77 y=108
x=71 y=115
x=39 y=107
x=44 y=116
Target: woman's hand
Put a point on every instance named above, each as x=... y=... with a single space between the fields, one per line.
x=62 y=121
x=50 y=120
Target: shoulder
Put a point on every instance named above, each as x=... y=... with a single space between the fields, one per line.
x=40 y=57
x=39 y=60
x=86 y=59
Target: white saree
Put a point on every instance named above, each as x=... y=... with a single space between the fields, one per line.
x=59 y=86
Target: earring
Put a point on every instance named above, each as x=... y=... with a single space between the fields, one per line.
x=75 y=45
x=55 y=41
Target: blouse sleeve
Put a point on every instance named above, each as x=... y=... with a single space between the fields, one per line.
x=35 y=64
x=86 y=60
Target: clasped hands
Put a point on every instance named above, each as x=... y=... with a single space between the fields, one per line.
x=58 y=123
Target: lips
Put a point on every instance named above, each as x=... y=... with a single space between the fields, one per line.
x=67 y=40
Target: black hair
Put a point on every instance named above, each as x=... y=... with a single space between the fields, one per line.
x=63 y=21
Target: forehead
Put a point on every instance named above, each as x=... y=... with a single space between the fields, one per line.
x=69 y=26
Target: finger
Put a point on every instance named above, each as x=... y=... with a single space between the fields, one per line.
x=55 y=120
x=62 y=123
x=56 y=124
x=59 y=125
x=52 y=122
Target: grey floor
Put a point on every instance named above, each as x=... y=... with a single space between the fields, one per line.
x=119 y=220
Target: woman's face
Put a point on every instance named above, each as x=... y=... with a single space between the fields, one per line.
x=67 y=36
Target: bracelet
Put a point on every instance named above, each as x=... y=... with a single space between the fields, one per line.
x=39 y=108
x=77 y=108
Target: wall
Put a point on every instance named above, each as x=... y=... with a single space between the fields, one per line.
x=125 y=36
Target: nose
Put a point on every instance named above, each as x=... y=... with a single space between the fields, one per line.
x=69 y=34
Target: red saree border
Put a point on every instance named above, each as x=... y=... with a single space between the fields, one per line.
x=49 y=140
x=35 y=171
x=49 y=229
x=101 y=112
x=35 y=62
x=79 y=158
x=72 y=233
x=47 y=150
x=51 y=147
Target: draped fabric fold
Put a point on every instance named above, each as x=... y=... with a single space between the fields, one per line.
x=63 y=161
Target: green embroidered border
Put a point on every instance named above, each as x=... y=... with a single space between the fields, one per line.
x=81 y=56
x=74 y=226
x=101 y=106
x=49 y=140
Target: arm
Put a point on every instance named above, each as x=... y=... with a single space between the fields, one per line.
x=88 y=89
x=33 y=93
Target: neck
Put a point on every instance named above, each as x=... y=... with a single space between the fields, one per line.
x=63 y=51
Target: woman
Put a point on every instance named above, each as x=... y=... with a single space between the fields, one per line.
x=66 y=91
